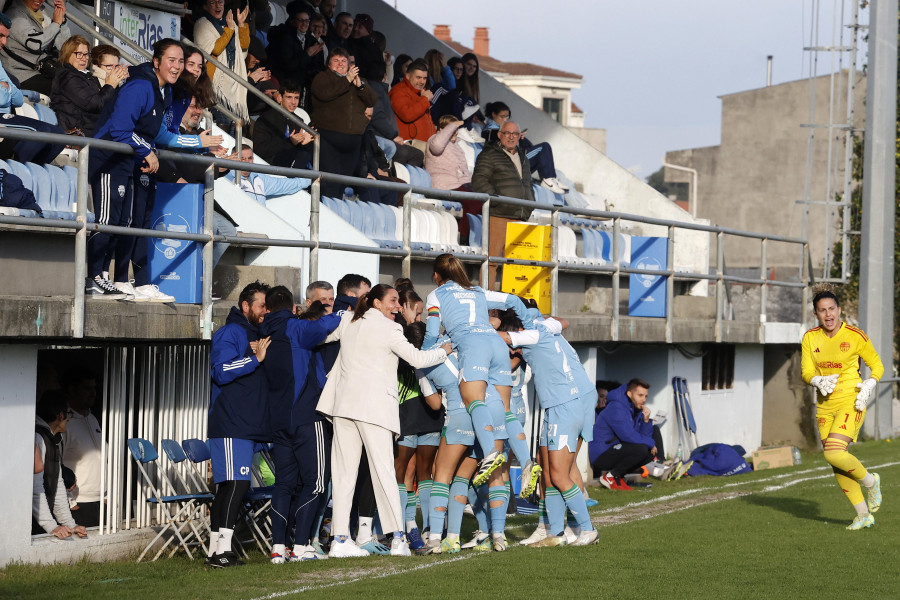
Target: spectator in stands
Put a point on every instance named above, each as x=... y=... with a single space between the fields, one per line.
x=226 y=36
x=77 y=97
x=173 y=171
x=339 y=102
x=470 y=87
x=49 y=505
x=318 y=28
x=501 y=169
x=400 y=65
x=299 y=55
x=82 y=442
x=106 y=58
x=623 y=435
x=278 y=140
x=37 y=34
x=351 y=287
x=11 y=97
x=296 y=374
x=411 y=101
x=540 y=156
x=380 y=42
x=196 y=77
x=384 y=124
x=363 y=49
x=259 y=75
x=124 y=186
x=446 y=162
x=260 y=186
x=322 y=292
x=237 y=414
x=457 y=68
x=361 y=399
x=442 y=83
x=339 y=34
x=326 y=9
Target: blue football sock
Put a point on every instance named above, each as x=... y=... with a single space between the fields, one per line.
x=499 y=494
x=578 y=507
x=556 y=511
x=459 y=487
x=412 y=501
x=404 y=497
x=425 y=502
x=478 y=500
x=542 y=513
x=519 y=446
x=481 y=421
x=440 y=499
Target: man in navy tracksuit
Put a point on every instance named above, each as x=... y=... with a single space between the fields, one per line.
x=296 y=375
x=237 y=414
x=623 y=435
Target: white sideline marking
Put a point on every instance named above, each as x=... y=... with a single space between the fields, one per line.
x=676 y=495
x=769 y=488
x=389 y=573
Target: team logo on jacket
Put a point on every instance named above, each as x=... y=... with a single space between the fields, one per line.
x=845 y=346
x=145 y=180
x=121 y=190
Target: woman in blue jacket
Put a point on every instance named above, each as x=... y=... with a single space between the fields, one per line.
x=123 y=185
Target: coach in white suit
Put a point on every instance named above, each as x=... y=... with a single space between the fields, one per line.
x=360 y=397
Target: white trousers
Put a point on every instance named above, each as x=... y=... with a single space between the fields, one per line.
x=346 y=450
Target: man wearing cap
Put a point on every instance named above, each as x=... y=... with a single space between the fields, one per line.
x=363 y=48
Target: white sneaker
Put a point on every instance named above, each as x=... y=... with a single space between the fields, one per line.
x=477 y=538
x=570 y=535
x=586 y=538
x=553 y=184
x=307 y=553
x=131 y=294
x=345 y=549
x=153 y=294
x=539 y=534
x=400 y=547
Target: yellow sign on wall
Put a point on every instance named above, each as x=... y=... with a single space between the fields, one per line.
x=527 y=241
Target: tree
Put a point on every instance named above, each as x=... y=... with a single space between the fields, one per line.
x=657 y=181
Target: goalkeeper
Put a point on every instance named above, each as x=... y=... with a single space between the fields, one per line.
x=830 y=363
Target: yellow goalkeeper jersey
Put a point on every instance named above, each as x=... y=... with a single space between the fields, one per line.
x=823 y=355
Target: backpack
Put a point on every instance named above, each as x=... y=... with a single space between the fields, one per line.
x=717 y=459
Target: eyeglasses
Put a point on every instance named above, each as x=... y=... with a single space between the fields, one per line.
x=301 y=20
x=511 y=133
x=81 y=54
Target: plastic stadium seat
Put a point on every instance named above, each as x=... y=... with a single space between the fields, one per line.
x=27 y=110
x=567 y=243
x=63 y=193
x=357 y=219
x=369 y=223
x=46 y=114
x=402 y=172
x=592 y=245
x=20 y=170
x=344 y=209
x=474 y=230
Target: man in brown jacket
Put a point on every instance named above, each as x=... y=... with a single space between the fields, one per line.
x=502 y=170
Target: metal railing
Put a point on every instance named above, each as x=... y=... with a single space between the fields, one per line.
x=80 y=227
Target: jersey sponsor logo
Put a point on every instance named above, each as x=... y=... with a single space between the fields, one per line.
x=820 y=420
x=464 y=295
x=245 y=470
x=827 y=364
x=482 y=369
x=845 y=346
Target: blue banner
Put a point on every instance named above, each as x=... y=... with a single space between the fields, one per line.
x=647 y=293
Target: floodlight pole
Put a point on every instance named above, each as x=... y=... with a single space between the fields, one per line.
x=876 y=278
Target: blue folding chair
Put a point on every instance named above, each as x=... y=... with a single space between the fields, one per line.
x=179 y=510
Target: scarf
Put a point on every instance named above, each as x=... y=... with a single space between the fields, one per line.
x=220 y=25
x=37 y=15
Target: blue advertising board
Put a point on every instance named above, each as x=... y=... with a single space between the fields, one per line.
x=177 y=265
x=647 y=293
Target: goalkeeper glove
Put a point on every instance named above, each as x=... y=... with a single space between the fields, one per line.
x=824 y=383
x=865 y=392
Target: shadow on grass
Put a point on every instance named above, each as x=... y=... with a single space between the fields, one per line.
x=805 y=509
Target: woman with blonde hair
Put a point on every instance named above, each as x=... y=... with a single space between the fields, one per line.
x=361 y=399
x=76 y=96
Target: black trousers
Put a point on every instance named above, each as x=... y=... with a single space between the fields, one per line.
x=339 y=154
x=621 y=459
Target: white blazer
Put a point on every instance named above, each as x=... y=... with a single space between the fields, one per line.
x=363 y=383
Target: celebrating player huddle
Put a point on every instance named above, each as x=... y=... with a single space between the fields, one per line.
x=454 y=370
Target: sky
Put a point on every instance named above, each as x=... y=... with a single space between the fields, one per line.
x=653 y=69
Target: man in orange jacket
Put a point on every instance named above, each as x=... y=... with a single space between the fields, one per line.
x=412 y=105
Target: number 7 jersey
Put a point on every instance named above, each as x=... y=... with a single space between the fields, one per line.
x=464 y=311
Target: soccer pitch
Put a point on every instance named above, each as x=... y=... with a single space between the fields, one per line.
x=770 y=534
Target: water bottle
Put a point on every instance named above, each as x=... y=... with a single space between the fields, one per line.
x=796 y=453
x=349 y=194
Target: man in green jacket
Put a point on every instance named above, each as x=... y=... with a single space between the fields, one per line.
x=502 y=170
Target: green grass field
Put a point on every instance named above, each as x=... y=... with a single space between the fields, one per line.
x=771 y=534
